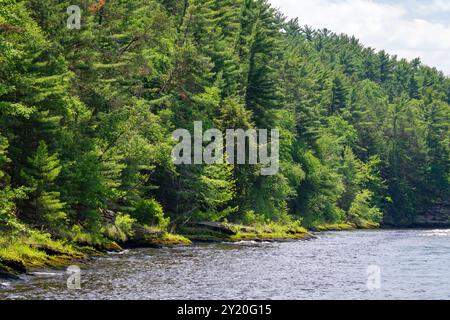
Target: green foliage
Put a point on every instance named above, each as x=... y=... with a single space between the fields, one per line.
x=215 y=190
x=361 y=209
x=318 y=195
x=86 y=118
x=125 y=224
x=40 y=175
x=8 y=195
x=22 y=246
x=251 y=218
x=150 y=212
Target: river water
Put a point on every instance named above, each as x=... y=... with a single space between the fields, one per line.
x=381 y=264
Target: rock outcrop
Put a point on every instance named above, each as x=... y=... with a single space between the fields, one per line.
x=438 y=216
x=214 y=226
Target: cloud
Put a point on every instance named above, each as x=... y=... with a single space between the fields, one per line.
x=387 y=26
x=430 y=7
x=439 y=5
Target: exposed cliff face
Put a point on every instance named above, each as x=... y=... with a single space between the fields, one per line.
x=438 y=216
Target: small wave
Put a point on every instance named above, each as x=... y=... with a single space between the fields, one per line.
x=5 y=284
x=250 y=242
x=117 y=252
x=44 y=274
x=436 y=233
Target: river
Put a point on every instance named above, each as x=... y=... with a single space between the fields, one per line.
x=380 y=264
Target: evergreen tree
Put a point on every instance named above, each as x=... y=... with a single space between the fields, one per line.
x=413 y=88
x=7 y=195
x=262 y=90
x=339 y=96
x=385 y=67
x=361 y=131
x=40 y=176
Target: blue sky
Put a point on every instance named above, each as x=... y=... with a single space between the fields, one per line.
x=407 y=28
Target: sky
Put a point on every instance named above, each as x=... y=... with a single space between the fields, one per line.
x=407 y=28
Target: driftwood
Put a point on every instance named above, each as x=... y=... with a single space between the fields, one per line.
x=212 y=226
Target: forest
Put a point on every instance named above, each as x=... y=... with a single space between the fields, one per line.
x=87 y=115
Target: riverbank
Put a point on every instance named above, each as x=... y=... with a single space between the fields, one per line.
x=220 y=232
x=365 y=225
x=333 y=266
x=25 y=250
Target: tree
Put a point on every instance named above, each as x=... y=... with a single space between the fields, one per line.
x=385 y=66
x=413 y=88
x=405 y=158
x=40 y=177
x=437 y=114
x=339 y=96
x=262 y=91
x=8 y=195
x=362 y=212
x=86 y=117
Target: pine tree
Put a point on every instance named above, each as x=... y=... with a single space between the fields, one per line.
x=385 y=67
x=306 y=85
x=437 y=116
x=106 y=98
x=262 y=91
x=339 y=96
x=413 y=88
x=406 y=156
x=3 y=159
x=448 y=92
x=6 y=194
x=40 y=176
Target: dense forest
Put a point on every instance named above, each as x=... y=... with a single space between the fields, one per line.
x=87 y=115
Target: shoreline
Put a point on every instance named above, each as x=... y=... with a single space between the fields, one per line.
x=51 y=254
x=59 y=257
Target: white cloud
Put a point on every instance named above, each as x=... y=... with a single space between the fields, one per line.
x=379 y=25
x=440 y=5
x=430 y=7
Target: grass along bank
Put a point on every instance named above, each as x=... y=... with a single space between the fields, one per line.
x=23 y=249
x=344 y=226
x=219 y=232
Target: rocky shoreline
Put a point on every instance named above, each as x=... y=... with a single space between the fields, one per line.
x=223 y=232
x=146 y=237
x=438 y=216
x=198 y=232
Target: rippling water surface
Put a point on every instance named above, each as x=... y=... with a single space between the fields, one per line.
x=413 y=264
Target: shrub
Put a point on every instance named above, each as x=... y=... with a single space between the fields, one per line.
x=361 y=210
x=251 y=218
x=125 y=224
x=150 y=212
